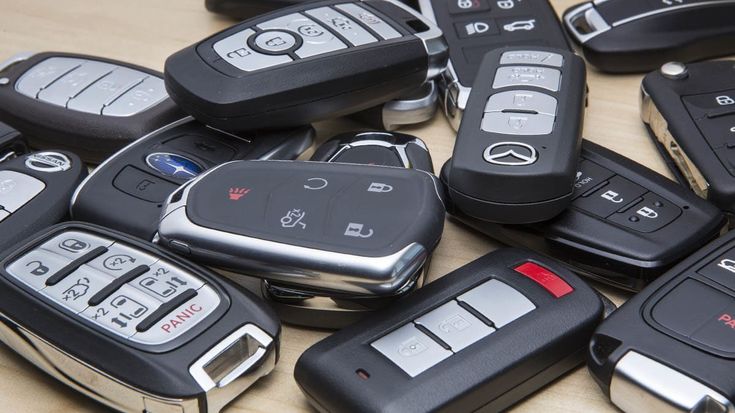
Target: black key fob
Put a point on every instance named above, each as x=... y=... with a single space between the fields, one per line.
x=12 y=143
x=518 y=146
x=244 y=9
x=670 y=347
x=89 y=105
x=376 y=148
x=623 y=36
x=475 y=27
x=478 y=339
x=35 y=190
x=690 y=112
x=176 y=337
x=626 y=226
x=339 y=58
x=127 y=191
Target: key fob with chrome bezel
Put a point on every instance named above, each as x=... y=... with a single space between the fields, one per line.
x=244 y=9
x=626 y=224
x=142 y=175
x=670 y=347
x=12 y=143
x=415 y=107
x=478 y=339
x=130 y=325
x=89 y=105
x=339 y=57
x=624 y=36
x=517 y=149
x=473 y=28
x=35 y=190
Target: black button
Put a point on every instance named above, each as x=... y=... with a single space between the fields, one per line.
x=617 y=194
x=143 y=185
x=518 y=28
x=651 y=214
x=689 y=306
x=721 y=269
x=476 y=28
x=370 y=155
x=203 y=147
x=719 y=332
x=467 y=6
x=719 y=131
x=589 y=176
x=708 y=103
x=727 y=157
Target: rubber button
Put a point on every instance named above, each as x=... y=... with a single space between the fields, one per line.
x=719 y=331
x=689 y=306
x=143 y=185
x=545 y=278
x=721 y=269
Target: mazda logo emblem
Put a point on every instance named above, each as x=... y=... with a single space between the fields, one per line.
x=510 y=154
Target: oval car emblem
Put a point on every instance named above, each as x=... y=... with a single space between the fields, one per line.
x=48 y=162
x=170 y=164
x=510 y=154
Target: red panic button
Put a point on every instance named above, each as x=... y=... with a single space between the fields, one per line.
x=545 y=278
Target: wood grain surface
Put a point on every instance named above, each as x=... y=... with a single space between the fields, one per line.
x=145 y=32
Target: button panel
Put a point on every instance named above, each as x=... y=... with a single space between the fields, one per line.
x=17 y=189
x=135 y=289
x=714 y=115
x=91 y=86
x=457 y=324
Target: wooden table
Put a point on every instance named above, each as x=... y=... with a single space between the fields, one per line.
x=145 y=32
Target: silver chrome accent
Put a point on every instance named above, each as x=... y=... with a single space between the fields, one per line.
x=410 y=110
x=50 y=162
x=640 y=384
x=674 y=70
x=400 y=149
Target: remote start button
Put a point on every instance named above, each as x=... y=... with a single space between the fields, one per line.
x=275 y=41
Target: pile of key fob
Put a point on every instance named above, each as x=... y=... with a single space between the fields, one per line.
x=198 y=232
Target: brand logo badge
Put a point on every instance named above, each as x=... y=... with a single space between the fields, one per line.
x=48 y=162
x=170 y=164
x=510 y=154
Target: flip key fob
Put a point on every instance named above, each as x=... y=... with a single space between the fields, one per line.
x=518 y=147
x=175 y=336
x=34 y=192
x=12 y=143
x=89 y=105
x=626 y=225
x=376 y=148
x=690 y=112
x=474 y=27
x=622 y=36
x=127 y=191
x=339 y=57
x=354 y=230
x=670 y=347
x=478 y=339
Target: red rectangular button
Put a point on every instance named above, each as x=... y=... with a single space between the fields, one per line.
x=545 y=278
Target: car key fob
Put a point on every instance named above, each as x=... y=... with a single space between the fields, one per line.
x=461 y=343
x=339 y=58
x=623 y=36
x=626 y=225
x=515 y=158
x=376 y=148
x=690 y=112
x=140 y=177
x=670 y=347
x=473 y=28
x=243 y=9
x=12 y=143
x=413 y=108
x=89 y=105
x=342 y=229
x=175 y=335
x=34 y=192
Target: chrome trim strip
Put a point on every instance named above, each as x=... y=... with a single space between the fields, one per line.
x=407 y=111
x=401 y=149
x=671 y=8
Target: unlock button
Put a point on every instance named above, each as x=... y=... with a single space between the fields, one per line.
x=37 y=266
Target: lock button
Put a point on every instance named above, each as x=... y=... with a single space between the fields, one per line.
x=648 y=215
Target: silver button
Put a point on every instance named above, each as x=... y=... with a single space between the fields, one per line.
x=538 y=76
x=181 y=319
x=45 y=73
x=120 y=259
x=674 y=70
x=122 y=311
x=74 y=244
x=525 y=100
x=498 y=302
x=105 y=90
x=77 y=288
x=509 y=123
x=3 y=214
x=72 y=83
x=455 y=325
x=17 y=189
x=36 y=267
x=275 y=41
x=144 y=95
x=520 y=57
x=343 y=25
x=411 y=350
x=235 y=51
x=165 y=281
x=374 y=22
x=316 y=39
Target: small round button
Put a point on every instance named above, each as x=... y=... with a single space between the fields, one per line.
x=674 y=70
x=275 y=41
